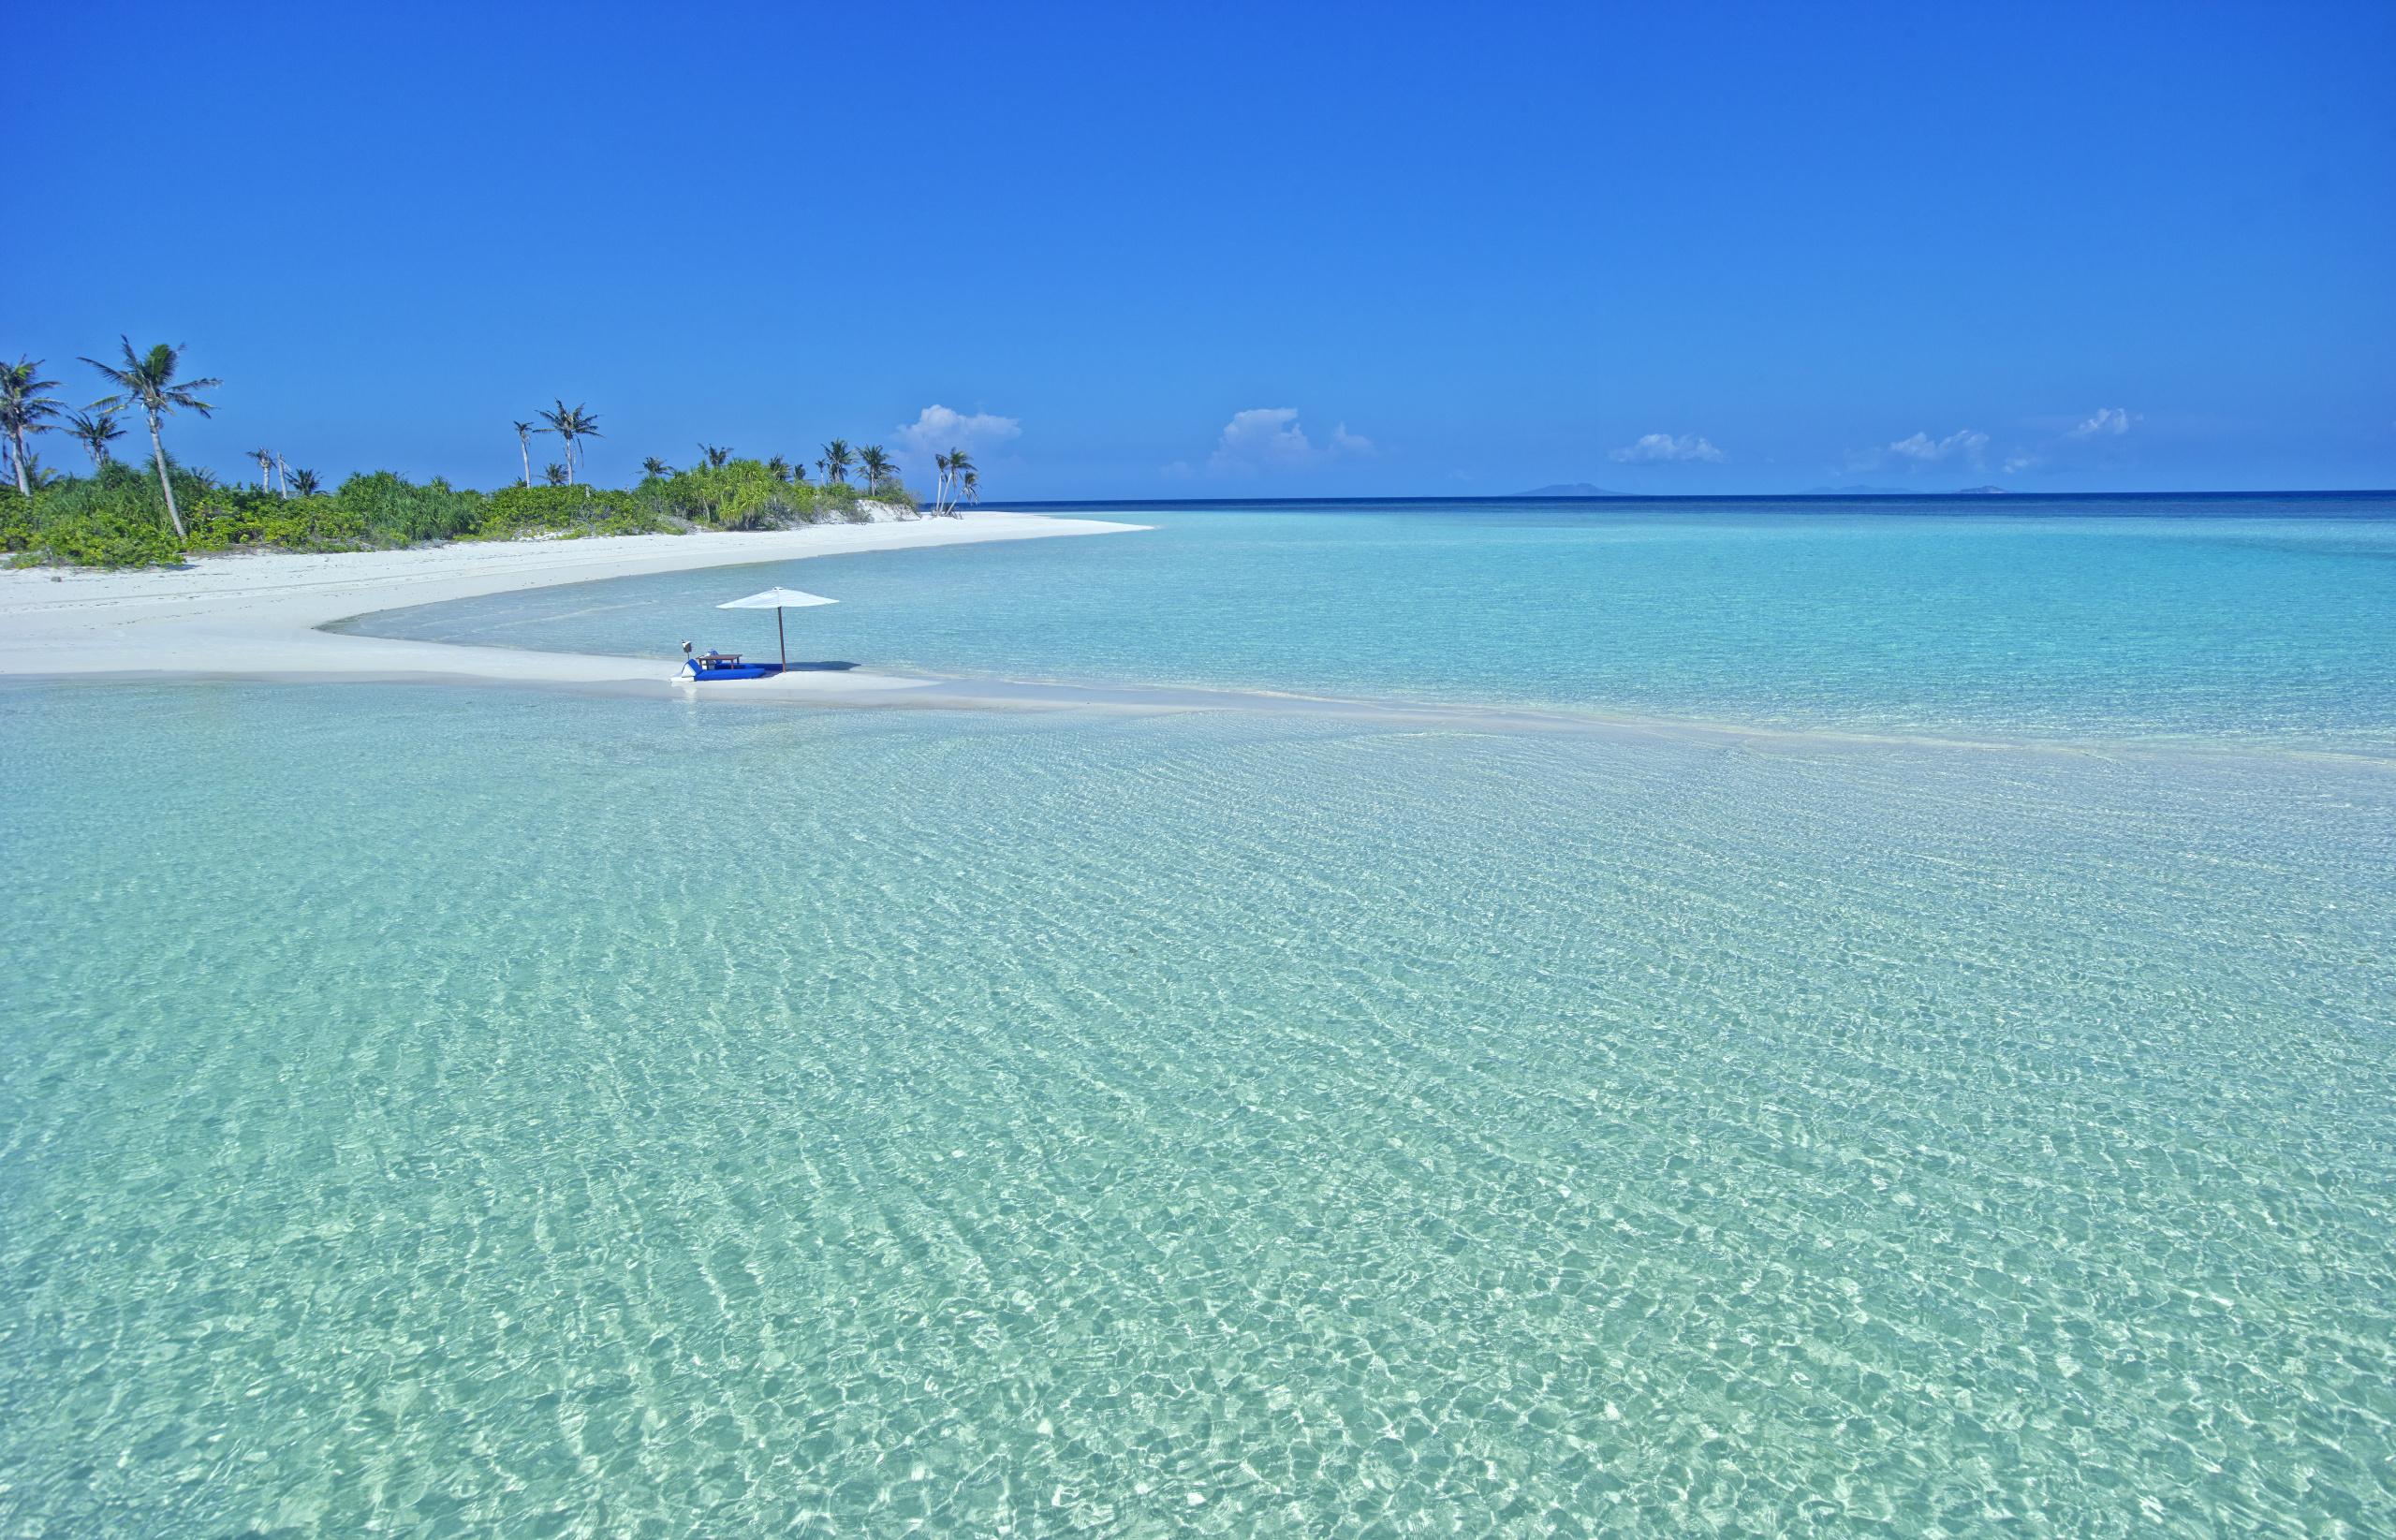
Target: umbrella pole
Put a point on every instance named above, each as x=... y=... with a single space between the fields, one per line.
x=784 y=639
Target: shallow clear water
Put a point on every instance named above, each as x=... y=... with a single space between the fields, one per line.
x=436 y=1111
x=2197 y=622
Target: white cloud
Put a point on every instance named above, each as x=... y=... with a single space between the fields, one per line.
x=2076 y=444
x=940 y=430
x=1270 y=438
x=1924 y=450
x=2108 y=422
x=1663 y=448
x=1176 y=470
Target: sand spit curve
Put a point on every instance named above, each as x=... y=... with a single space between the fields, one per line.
x=255 y=616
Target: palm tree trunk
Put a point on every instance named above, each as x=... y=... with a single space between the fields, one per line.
x=159 y=452
x=17 y=436
x=526 y=445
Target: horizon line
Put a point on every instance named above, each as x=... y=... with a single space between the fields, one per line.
x=1975 y=498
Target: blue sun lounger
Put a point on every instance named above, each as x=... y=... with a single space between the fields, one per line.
x=707 y=666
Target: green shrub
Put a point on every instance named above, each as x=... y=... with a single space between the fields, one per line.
x=114 y=518
x=117 y=517
x=245 y=517
x=82 y=530
x=572 y=512
x=739 y=495
x=395 y=512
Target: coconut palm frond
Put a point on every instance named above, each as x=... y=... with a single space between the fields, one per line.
x=22 y=402
x=95 y=432
x=837 y=458
x=22 y=407
x=571 y=423
x=148 y=381
x=38 y=478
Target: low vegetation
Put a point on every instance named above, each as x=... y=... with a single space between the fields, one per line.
x=160 y=511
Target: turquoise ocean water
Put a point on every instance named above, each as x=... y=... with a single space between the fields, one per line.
x=439 y=1110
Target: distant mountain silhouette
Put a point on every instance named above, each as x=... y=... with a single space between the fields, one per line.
x=1901 y=492
x=1566 y=489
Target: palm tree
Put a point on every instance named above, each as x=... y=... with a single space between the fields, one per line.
x=836 y=461
x=148 y=380
x=283 y=474
x=940 y=486
x=307 y=483
x=961 y=465
x=570 y=423
x=94 y=431
x=971 y=482
x=875 y=464
x=525 y=432
x=265 y=459
x=21 y=408
x=778 y=468
x=715 y=457
x=557 y=476
x=656 y=467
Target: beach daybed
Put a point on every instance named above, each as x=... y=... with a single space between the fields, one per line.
x=712 y=665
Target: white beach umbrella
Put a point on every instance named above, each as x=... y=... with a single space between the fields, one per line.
x=778 y=600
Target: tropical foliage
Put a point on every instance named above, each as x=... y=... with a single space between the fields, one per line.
x=569 y=423
x=761 y=495
x=157 y=511
x=837 y=458
x=95 y=432
x=514 y=513
x=148 y=381
x=22 y=407
x=116 y=517
x=958 y=481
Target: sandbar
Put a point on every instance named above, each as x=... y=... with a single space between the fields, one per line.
x=256 y=615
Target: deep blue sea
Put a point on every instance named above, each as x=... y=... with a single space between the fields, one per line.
x=1958 y=1099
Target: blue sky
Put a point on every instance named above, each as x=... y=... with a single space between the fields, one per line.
x=1176 y=250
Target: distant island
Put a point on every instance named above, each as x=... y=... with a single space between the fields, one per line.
x=1899 y=491
x=1583 y=488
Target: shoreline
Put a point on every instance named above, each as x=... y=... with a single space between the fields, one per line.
x=259 y=615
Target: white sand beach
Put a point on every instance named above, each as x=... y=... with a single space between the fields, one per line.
x=256 y=615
